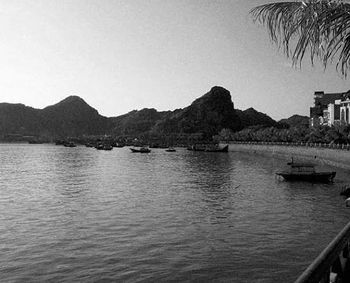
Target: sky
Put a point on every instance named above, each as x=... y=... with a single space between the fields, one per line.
x=122 y=55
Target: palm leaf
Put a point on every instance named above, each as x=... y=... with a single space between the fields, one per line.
x=320 y=27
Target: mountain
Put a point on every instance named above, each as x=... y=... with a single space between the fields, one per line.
x=207 y=115
x=296 y=121
x=19 y=119
x=70 y=117
x=251 y=117
x=136 y=122
x=73 y=117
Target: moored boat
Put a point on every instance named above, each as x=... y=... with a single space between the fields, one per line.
x=140 y=150
x=69 y=144
x=102 y=146
x=299 y=171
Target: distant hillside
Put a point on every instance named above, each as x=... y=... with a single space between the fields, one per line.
x=251 y=117
x=137 y=122
x=205 y=117
x=73 y=117
x=70 y=117
x=19 y=119
x=296 y=121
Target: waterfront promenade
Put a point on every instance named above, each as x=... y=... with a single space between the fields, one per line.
x=322 y=154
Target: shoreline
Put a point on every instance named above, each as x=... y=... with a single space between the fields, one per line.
x=320 y=155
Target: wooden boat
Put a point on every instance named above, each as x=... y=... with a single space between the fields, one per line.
x=107 y=147
x=102 y=146
x=306 y=172
x=140 y=150
x=69 y=144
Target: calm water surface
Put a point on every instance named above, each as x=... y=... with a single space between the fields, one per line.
x=82 y=215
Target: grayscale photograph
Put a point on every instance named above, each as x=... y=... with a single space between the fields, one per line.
x=175 y=141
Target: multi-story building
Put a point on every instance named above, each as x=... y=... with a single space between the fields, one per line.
x=330 y=109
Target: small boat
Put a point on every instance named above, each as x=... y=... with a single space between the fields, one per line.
x=306 y=172
x=107 y=147
x=99 y=146
x=170 y=149
x=117 y=144
x=102 y=146
x=140 y=150
x=69 y=144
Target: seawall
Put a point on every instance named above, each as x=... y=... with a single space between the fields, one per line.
x=339 y=156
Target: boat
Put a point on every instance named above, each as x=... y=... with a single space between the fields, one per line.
x=101 y=146
x=300 y=171
x=140 y=150
x=170 y=149
x=69 y=144
x=107 y=147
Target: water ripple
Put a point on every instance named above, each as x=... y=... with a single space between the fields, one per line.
x=90 y=216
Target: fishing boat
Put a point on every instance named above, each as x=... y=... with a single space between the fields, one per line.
x=299 y=171
x=69 y=144
x=102 y=146
x=140 y=150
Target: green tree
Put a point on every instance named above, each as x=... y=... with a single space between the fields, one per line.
x=320 y=28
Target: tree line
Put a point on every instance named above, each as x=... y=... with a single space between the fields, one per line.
x=338 y=134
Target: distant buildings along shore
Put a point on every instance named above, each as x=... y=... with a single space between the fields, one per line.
x=330 y=109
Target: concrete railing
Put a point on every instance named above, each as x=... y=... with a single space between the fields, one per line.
x=301 y=144
x=332 y=264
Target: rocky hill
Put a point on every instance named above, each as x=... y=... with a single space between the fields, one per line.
x=19 y=119
x=70 y=117
x=296 y=121
x=205 y=117
x=137 y=122
x=73 y=117
x=251 y=117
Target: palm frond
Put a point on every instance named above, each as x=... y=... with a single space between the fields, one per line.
x=321 y=27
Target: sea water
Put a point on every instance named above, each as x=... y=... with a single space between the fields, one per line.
x=83 y=215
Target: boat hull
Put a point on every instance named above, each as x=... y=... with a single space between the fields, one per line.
x=142 y=150
x=314 y=177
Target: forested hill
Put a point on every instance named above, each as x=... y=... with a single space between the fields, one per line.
x=207 y=116
x=70 y=117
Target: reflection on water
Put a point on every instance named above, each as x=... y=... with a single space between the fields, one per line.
x=78 y=214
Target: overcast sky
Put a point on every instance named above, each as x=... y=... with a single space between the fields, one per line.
x=121 y=55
